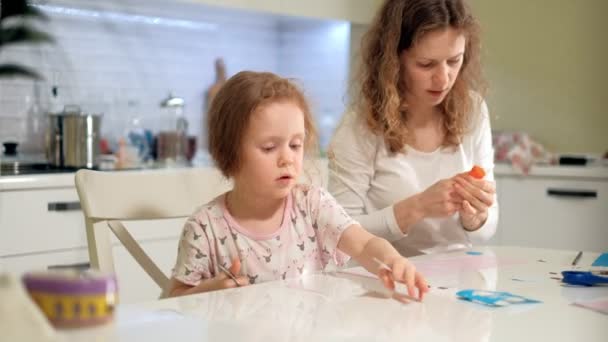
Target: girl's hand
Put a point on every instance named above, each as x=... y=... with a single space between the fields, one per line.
x=223 y=281
x=477 y=197
x=404 y=272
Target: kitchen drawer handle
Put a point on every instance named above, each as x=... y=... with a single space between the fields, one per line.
x=63 y=206
x=83 y=266
x=572 y=193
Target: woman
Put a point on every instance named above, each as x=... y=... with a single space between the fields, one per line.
x=399 y=160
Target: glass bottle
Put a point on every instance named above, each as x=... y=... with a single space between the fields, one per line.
x=172 y=137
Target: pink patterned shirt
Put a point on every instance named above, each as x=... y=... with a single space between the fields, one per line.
x=307 y=240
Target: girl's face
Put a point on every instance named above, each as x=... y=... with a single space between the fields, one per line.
x=272 y=150
x=431 y=66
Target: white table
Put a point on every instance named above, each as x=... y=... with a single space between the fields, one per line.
x=324 y=307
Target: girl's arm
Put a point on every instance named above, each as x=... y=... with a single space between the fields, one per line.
x=191 y=270
x=363 y=247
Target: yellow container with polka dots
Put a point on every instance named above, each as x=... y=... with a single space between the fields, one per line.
x=73 y=298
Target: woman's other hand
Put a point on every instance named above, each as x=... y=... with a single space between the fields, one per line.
x=477 y=197
x=439 y=200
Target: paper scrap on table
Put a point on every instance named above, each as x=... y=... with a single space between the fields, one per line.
x=599 y=305
x=528 y=279
x=494 y=298
x=601 y=261
x=357 y=271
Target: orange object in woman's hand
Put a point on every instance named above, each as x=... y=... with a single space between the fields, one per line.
x=477 y=172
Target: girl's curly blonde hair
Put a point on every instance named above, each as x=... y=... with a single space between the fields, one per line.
x=399 y=25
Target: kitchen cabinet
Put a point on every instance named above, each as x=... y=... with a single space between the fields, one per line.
x=553 y=207
x=356 y=11
x=42 y=227
x=37 y=220
x=75 y=258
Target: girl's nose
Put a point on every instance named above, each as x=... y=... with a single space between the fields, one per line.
x=285 y=159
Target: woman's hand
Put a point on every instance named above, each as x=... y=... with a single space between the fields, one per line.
x=477 y=197
x=439 y=200
x=404 y=272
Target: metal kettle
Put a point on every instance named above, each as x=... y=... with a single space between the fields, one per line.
x=72 y=139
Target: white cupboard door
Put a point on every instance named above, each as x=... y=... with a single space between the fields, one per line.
x=554 y=213
x=75 y=259
x=40 y=220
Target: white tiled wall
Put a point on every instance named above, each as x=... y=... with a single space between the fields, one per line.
x=317 y=55
x=109 y=53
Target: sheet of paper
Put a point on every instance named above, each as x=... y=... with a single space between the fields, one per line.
x=461 y=263
x=601 y=261
x=599 y=305
x=449 y=265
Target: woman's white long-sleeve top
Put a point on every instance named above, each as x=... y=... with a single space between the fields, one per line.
x=367 y=180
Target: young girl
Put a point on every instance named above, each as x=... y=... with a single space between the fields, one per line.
x=269 y=227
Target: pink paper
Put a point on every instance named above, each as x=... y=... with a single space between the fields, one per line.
x=461 y=263
x=357 y=271
x=448 y=265
x=599 y=305
x=455 y=264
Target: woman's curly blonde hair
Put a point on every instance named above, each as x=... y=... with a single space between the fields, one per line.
x=398 y=25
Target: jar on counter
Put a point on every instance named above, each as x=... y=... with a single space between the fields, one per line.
x=172 y=138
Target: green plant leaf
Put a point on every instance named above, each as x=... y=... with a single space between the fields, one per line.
x=14 y=70
x=23 y=34
x=11 y=8
x=35 y=13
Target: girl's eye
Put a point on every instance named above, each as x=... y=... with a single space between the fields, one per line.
x=267 y=148
x=295 y=146
x=454 y=62
x=426 y=66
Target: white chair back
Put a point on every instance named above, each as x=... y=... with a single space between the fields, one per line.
x=109 y=198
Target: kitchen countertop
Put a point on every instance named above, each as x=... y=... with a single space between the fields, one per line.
x=37 y=181
x=560 y=171
x=66 y=180
x=49 y=180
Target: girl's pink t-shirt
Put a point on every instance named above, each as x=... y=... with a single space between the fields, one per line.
x=306 y=241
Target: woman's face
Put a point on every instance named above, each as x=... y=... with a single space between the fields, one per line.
x=431 y=66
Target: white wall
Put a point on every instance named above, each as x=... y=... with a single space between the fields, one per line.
x=109 y=53
x=546 y=63
x=329 y=45
x=357 y=11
